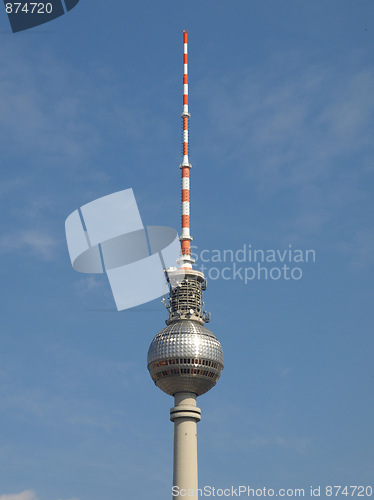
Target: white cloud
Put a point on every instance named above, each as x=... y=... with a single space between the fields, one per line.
x=25 y=495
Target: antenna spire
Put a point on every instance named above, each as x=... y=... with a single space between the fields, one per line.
x=186 y=260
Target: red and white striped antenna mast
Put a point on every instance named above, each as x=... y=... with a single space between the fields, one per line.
x=185 y=260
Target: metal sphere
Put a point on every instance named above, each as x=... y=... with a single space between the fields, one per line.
x=185 y=357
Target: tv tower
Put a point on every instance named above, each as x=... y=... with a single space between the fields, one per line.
x=185 y=359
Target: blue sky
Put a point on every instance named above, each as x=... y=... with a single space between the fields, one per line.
x=281 y=97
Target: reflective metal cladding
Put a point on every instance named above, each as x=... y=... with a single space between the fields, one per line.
x=185 y=357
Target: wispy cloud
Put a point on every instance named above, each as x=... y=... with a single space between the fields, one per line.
x=43 y=110
x=25 y=495
x=295 y=443
x=69 y=405
x=59 y=115
x=360 y=249
x=301 y=131
x=62 y=132
x=37 y=242
x=290 y=129
x=89 y=283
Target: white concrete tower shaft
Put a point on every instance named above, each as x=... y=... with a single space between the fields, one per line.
x=185 y=416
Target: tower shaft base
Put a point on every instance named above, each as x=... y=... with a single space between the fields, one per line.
x=185 y=416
